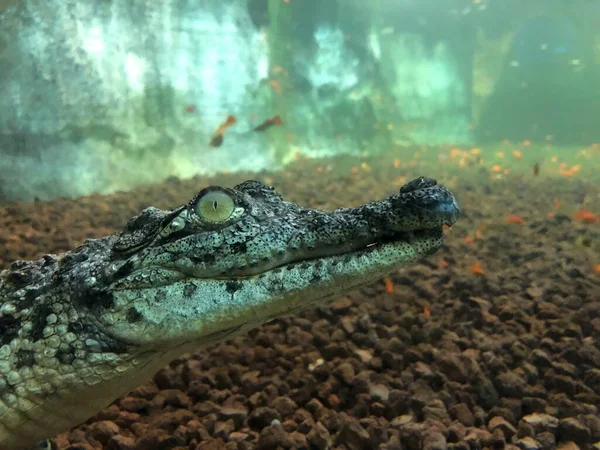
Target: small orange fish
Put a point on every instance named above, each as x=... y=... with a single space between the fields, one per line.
x=516 y=220
x=585 y=216
x=517 y=154
x=526 y=143
x=268 y=123
x=427 y=311
x=597 y=269
x=389 y=285
x=443 y=264
x=477 y=269
x=217 y=137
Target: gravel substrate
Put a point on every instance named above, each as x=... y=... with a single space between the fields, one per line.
x=493 y=342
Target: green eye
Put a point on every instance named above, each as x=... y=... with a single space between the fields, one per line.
x=215 y=206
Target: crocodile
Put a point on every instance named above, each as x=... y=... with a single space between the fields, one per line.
x=81 y=329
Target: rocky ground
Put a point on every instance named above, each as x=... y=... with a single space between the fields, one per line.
x=493 y=342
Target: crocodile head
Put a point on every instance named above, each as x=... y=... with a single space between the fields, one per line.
x=232 y=259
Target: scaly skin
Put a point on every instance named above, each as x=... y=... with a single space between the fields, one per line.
x=82 y=329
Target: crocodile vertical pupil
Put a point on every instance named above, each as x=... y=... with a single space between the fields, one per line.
x=215 y=206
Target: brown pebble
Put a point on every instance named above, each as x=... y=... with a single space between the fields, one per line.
x=206 y=408
x=345 y=372
x=170 y=420
x=436 y=410
x=103 y=430
x=224 y=429
x=456 y=432
x=134 y=404
x=352 y=435
x=452 y=367
x=285 y=406
x=463 y=414
x=237 y=414
x=511 y=384
x=146 y=391
x=272 y=437
x=546 y=439
x=196 y=430
x=571 y=429
x=503 y=425
x=238 y=436
x=434 y=441
x=297 y=440
x=528 y=443
x=172 y=397
x=126 y=419
x=319 y=437
x=120 y=442
x=379 y=392
x=333 y=401
x=341 y=305
x=541 y=422
x=347 y=323
x=262 y=417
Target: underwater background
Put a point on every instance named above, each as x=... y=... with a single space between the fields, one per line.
x=107 y=107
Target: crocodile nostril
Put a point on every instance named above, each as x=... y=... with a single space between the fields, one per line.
x=418 y=183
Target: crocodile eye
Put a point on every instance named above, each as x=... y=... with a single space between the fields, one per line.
x=215 y=206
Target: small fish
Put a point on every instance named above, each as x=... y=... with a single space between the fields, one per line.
x=389 y=286
x=477 y=269
x=536 y=169
x=268 y=123
x=427 y=311
x=515 y=220
x=217 y=137
x=586 y=216
x=190 y=109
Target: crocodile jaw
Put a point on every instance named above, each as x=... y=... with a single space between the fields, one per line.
x=208 y=310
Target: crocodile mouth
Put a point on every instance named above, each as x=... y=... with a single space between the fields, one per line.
x=419 y=242
x=403 y=236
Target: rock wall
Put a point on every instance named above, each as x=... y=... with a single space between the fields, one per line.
x=101 y=96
